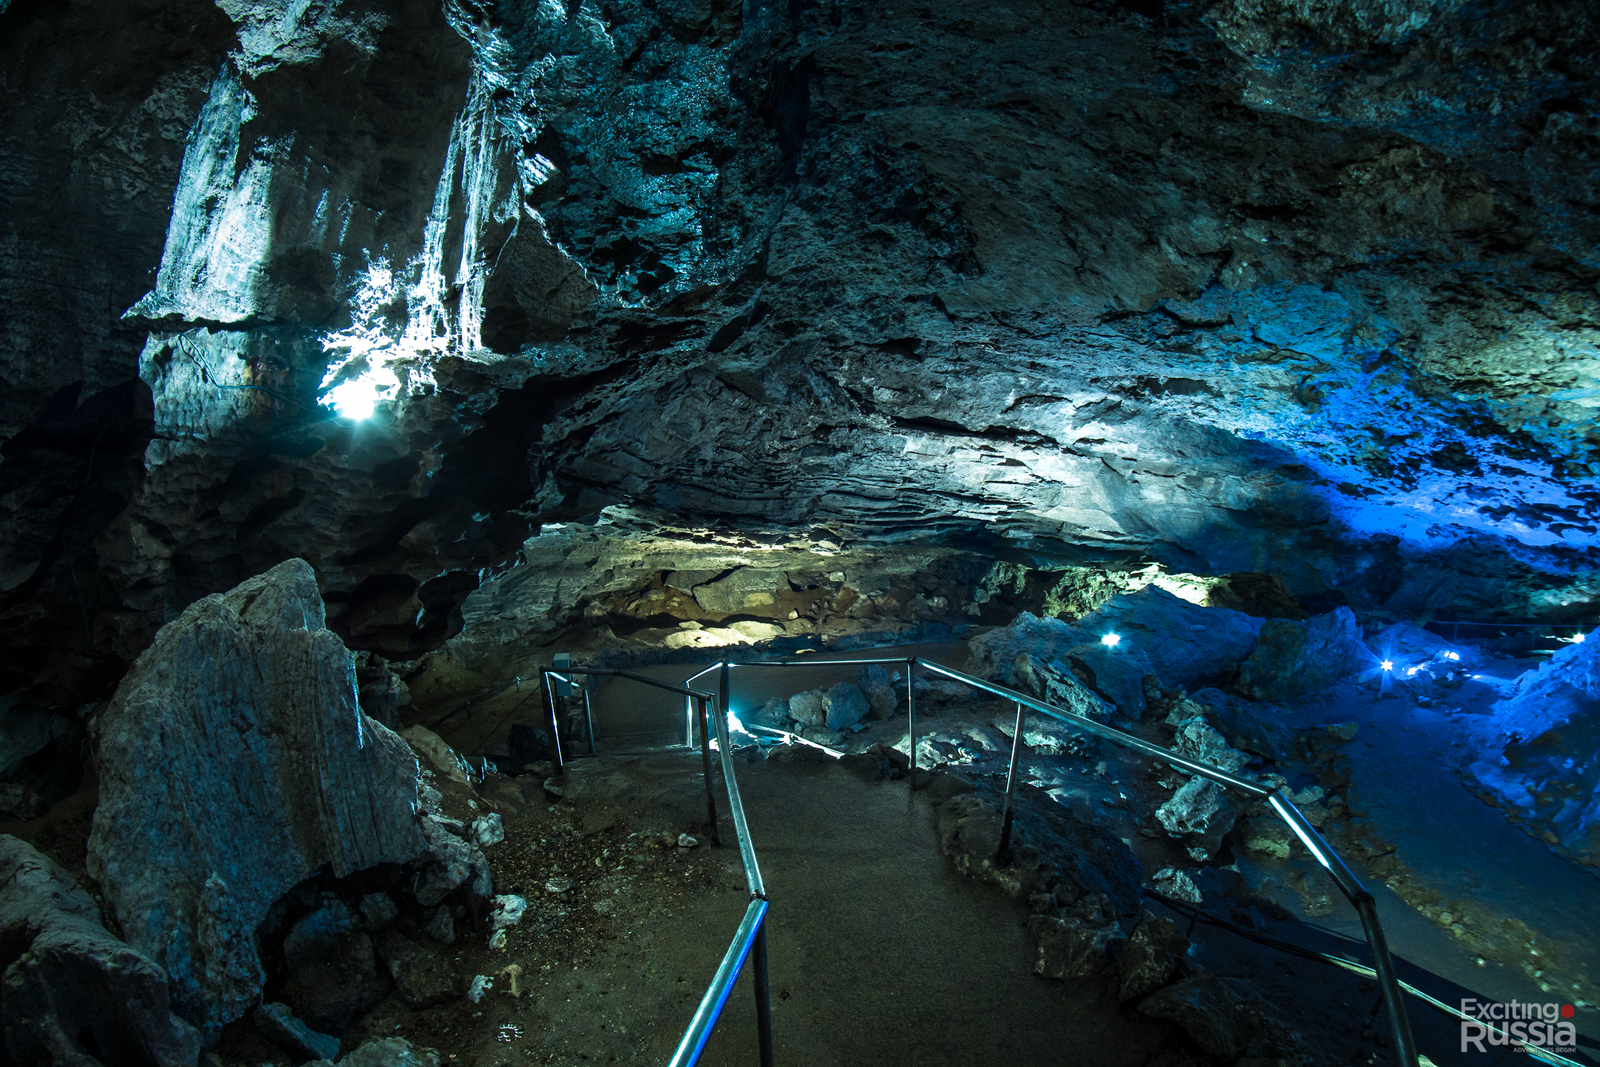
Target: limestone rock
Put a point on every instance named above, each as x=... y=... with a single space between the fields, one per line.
x=1267 y=835
x=1052 y=851
x=385 y=1052
x=278 y=1024
x=1295 y=658
x=1196 y=740
x=69 y=979
x=1245 y=725
x=1179 y=885
x=774 y=714
x=809 y=708
x=847 y=705
x=437 y=752
x=1548 y=737
x=332 y=991
x=744 y=590
x=882 y=695
x=1153 y=957
x=1185 y=643
x=1158 y=633
x=1200 y=812
x=282 y=774
x=1054 y=683
x=1212 y=1011
x=314 y=935
x=422 y=975
x=1070 y=948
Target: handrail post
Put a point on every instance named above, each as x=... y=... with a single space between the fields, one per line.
x=705 y=763
x=1011 y=787
x=556 y=768
x=911 y=716
x=763 y=996
x=588 y=718
x=1405 y=1044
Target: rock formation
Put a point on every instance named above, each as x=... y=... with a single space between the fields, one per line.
x=70 y=989
x=234 y=763
x=1220 y=288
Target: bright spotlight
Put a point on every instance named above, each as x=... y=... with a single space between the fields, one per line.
x=1387 y=665
x=355 y=399
x=1577 y=639
x=1452 y=655
x=1110 y=640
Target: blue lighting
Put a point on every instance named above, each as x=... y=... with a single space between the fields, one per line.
x=1387 y=665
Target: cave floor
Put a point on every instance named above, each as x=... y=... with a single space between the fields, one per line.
x=880 y=952
x=862 y=974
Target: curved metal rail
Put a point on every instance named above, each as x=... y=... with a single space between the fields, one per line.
x=1405 y=1046
x=751 y=934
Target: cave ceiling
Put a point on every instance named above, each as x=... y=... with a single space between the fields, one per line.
x=1254 y=285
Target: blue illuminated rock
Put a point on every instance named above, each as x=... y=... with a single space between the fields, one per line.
x=1544 y=750
x=1295 y=658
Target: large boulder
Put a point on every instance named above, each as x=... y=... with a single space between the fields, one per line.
x=847 y=705
x=1185 y=643
x=72 y=990
x=1245 y=725
x=234 y=763
x=1292 y=659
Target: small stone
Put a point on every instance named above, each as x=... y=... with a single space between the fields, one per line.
x=481 y=984
x=378 y=910
x=487 y=830
x=442 y=927
x=1171 y=882
x=1153 y=957
x=685 y=841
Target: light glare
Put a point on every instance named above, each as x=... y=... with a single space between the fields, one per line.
x=1387 y=665
x=1111 y=640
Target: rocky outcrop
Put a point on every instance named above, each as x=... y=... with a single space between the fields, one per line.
x=251 y=700
x=70 y=990
x=1113 y=649
x=1154 y=957
x=1030 y=289
x=1543 y=751
x=1295 y=658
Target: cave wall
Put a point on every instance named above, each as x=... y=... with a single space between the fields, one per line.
x=1220 y=287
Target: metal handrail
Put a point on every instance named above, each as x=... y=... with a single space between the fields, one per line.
x=1362 y=900
x=752 y=932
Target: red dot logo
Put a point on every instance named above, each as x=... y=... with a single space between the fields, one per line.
x=1568 y=1011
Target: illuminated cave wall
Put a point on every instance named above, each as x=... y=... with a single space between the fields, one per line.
x=1221 y=287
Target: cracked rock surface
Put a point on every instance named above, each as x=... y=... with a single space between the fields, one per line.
x=1230 y=288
